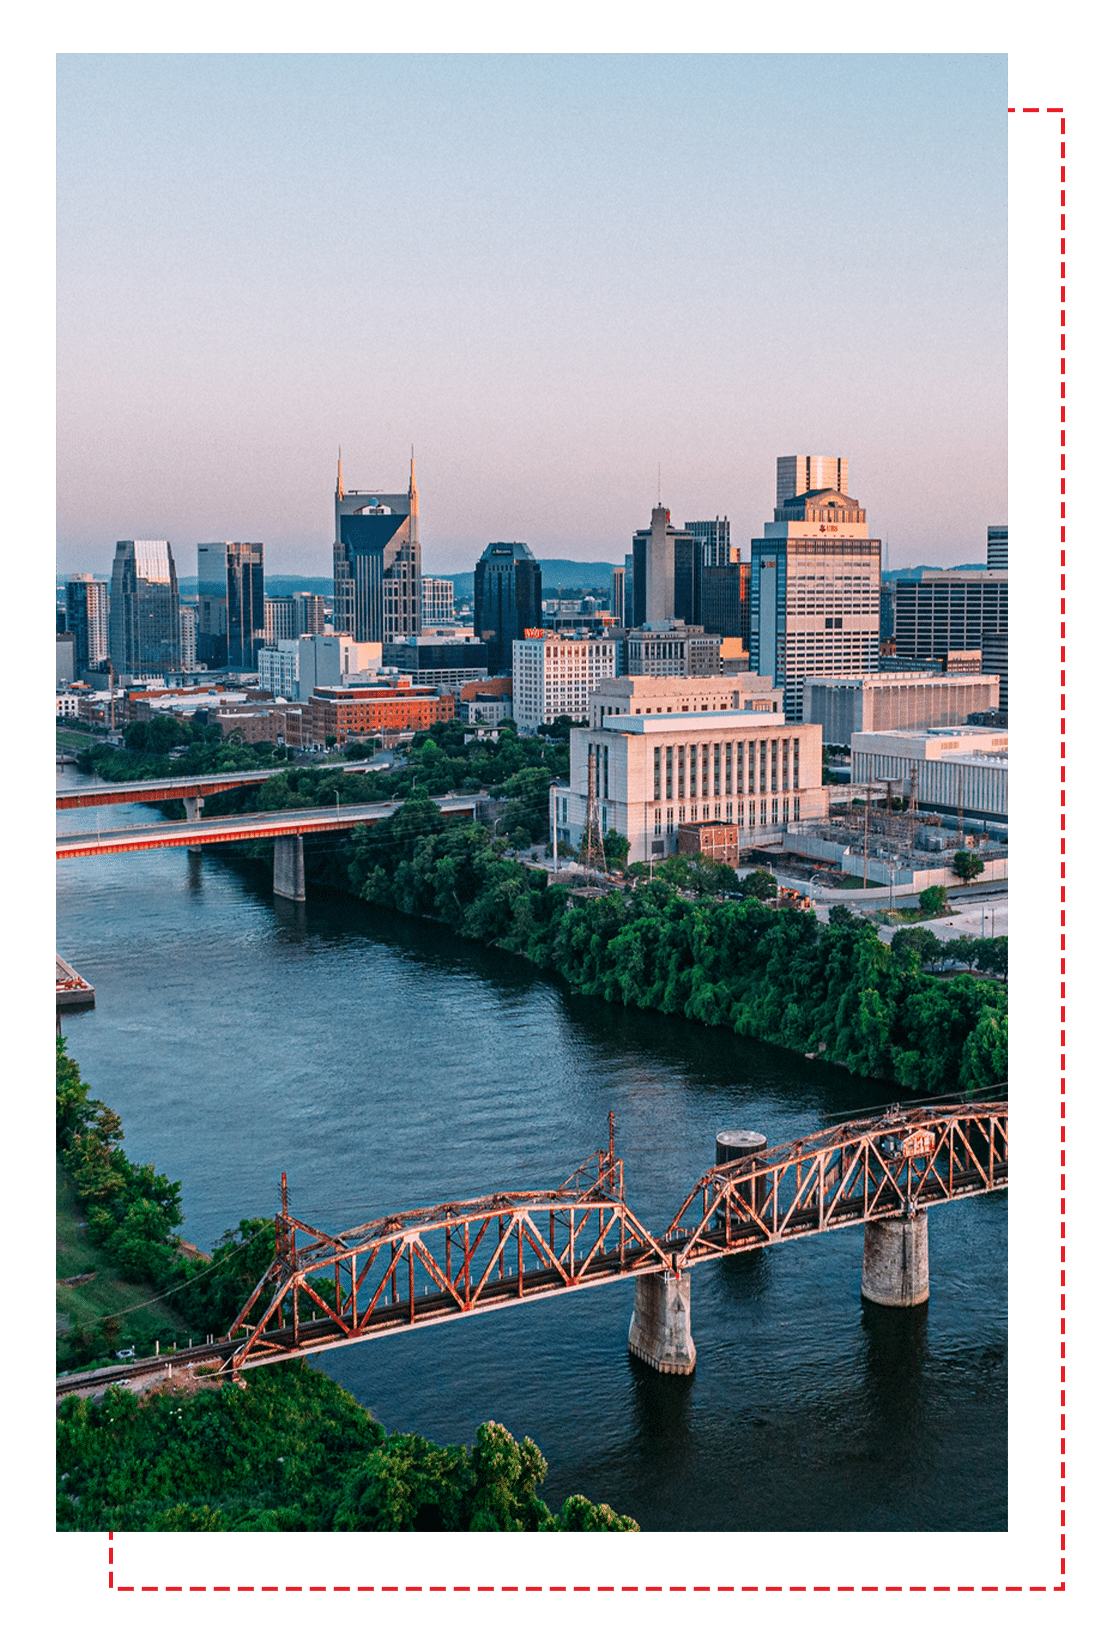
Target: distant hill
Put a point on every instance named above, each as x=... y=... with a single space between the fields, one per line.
x=275 y=584
x=556 y=571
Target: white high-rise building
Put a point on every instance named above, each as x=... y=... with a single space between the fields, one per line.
x=552 y=676
x=815 y=591
x=437 y=601
x=189 y=632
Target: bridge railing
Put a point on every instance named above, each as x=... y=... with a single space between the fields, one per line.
x=446 y=1261
x=871 y=1169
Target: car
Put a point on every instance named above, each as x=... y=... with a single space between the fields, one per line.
x=129 y=1355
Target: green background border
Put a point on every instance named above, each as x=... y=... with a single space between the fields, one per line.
x=69 y=1570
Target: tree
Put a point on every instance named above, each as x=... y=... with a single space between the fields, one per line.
x=616 y=848
x=933 y=900
x=967 y=866
x=918 y=940
x=760 y=884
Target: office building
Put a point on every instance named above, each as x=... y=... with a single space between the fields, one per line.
x=996 y=547
x=750 y=768
x=815 y=587
x=66 y=658
x=667 y=572
x=714 y=536
x=956 y=766
x=189 y=636
x=278 y=667
x=725 y=599
x=391 y=708
x=437 y=601
x=144 y=613
x=288 y=617
x=618 y=595
x=938 y=610
x=687 y=695
x=87 y=620
x=672 y=648
x=896 y=700
x=553 y=676
x=376 y=562
x=507 y=600
x=628 y=592
x=231 y=605
x=797 y=474
x=329 y=661
x=446 y=664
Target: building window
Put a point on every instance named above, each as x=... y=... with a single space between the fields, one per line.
x=740 y=811
x=656 y=774
x=795 y=772
x=786 y=811
x=706 y=814
x=668 y=773
x=729 y=811
x=680 y=770
x=797 y=804
x=692 y=789
x=694 y=814
x=752 y=814
x=775 y=811
x=681 y=814
x=668 y=819
x=657 y=821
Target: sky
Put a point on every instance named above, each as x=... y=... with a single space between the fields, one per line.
x=556 y=276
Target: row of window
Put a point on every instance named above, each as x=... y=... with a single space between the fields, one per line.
x=789 y=807
x=698 y=769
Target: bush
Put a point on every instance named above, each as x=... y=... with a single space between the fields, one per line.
x=933 y=900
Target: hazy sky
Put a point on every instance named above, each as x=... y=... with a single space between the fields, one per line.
x=550 y=273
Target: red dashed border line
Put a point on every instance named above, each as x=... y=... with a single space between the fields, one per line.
x=576 y=1590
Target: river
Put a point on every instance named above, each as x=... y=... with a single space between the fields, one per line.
x=385 y=1064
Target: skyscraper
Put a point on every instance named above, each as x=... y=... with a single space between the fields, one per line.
x=507 y=600
x=144 y=620
x=996 y=547
x=231 y=605
x=808 y=474
x=86 y=618
x=667 y=572
x=815 y=588
x=376 y=562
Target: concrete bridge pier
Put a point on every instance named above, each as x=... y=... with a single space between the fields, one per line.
x=895 y=1261
x=193 y=805
x=660 y=1329
x=290 y=868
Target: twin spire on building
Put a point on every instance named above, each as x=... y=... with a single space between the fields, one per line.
x=413 y=495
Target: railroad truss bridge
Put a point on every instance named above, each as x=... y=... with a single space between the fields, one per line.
x=450 y=1261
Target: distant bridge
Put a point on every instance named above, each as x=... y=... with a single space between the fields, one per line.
x=436 y=1265
x=194 y=788
x=285 y=828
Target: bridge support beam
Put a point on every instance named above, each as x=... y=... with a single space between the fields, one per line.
x=193 y=805
x=660 y=1329
x=895 y=1261
x=290 y=868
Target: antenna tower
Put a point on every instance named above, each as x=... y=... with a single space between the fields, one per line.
x=591 y=847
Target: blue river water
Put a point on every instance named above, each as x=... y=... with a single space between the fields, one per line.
x=384 y=1064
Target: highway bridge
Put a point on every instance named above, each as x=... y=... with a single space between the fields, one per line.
x=425 y=1266
x=285 y=828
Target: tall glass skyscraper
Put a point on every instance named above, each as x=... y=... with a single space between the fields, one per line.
x=144 y=620
x=231 y=605
x=376 y=562
x=507 y=600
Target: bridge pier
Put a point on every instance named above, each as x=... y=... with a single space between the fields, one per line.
x=660 y=1329
x=290 y=868
x=895 y=1261
x=193 y=805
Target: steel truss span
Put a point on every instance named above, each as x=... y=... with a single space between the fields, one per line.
x=449 y=1261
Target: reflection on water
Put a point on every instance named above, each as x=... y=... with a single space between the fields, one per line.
x=385 y=1064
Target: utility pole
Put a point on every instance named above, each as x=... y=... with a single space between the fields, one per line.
x=592 y=853
x=866 y=824
x=554 y=824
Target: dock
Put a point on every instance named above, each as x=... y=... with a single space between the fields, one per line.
x=72 y=990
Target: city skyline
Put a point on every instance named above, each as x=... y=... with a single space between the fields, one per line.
x=592 y=294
